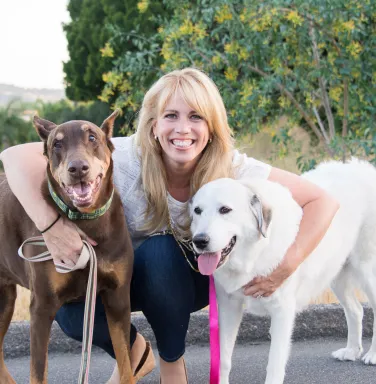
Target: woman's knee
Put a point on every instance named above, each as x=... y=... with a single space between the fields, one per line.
x=70 y=319
x=161 y=276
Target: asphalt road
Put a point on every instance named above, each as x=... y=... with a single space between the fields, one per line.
x=310 y=363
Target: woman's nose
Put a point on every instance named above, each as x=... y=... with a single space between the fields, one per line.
x=183 y=126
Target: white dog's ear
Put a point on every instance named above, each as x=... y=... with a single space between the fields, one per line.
x=262 y=213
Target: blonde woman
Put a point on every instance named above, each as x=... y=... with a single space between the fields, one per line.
x=182 y=142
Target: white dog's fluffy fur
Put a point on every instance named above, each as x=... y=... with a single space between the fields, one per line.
x=345 y=258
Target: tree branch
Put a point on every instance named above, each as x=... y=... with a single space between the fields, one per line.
x=321 y=125
x=291 y=97
x=325 y=97
x=345 y=107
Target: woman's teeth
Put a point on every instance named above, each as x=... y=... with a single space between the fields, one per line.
x=182 y=143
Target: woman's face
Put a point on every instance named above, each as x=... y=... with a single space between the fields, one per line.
x=182 y=133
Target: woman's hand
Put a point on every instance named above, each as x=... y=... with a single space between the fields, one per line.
x=64 y=241
x=264 y=286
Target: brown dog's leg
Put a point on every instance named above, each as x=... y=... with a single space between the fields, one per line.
x=118 y=312
x=8 y=294
x=42 y=313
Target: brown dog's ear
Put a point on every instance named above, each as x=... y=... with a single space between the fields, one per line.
x=262 y=213
x=43 y=127
x=108 y=125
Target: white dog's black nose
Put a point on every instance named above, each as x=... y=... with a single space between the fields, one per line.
x=201 y=240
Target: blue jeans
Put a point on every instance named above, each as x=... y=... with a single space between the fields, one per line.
x=163 y=287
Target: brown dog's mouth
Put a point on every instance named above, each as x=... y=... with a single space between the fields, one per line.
x=82 y=193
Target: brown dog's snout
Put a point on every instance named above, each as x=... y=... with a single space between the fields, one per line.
x=78 y=168
x=201 y=240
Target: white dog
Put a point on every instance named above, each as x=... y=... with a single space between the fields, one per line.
x=242 y=229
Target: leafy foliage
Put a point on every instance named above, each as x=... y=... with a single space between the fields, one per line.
x=66 y=110
x=13 y=128
x=314 y=61
x=89 y=33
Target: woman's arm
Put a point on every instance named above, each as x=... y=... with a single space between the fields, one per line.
x=319 y=209
x=25 y=168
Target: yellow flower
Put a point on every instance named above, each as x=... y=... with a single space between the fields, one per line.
x=284 y=102
x=308 y=98
x=331 y=57
x=216 y=60
x=143 y=6
x=246 y=92
x=243 y=53
x=199 y=31
x=263 y=102
x=234 y=48
x=125 y=86
x=177 y=60
x=262 y=23
x=166 y=50
x=106 y=94
x=335 y=93
x=107 y=50
x=186 y=28
x=348 y=26
x=223 y=14
x=231 y=74
x=275 y=63
x=295 y=18
x=354 y=49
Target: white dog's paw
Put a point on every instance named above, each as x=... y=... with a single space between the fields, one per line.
x=345 y=354
x=369 y=358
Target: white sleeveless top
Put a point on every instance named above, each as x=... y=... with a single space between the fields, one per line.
x=127 y=179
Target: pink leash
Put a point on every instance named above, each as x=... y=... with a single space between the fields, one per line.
x=214 y=333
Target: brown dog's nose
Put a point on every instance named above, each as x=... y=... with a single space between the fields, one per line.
x=78 y=168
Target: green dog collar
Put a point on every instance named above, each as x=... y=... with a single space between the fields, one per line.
x=76 y=215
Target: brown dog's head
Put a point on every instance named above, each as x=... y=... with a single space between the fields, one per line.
x=79 y=156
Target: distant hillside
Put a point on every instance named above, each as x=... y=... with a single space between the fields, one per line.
x=9 y=92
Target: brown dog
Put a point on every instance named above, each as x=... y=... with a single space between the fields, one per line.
x=80 y=172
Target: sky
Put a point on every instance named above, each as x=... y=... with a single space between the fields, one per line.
x=32 y=42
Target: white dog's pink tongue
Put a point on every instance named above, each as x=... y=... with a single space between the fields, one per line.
x=207 y=262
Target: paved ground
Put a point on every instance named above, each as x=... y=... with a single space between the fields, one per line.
x=310 y=363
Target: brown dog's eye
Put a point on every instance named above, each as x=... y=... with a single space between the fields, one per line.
x=198 y=210
x=58 y=144
x=224 y=210
x=92 y=138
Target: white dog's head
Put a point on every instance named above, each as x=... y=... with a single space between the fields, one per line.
x=225 y=214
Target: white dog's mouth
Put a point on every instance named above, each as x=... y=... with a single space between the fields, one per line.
x=208 y=262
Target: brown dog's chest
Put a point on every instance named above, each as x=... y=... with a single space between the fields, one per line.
x=72 y=286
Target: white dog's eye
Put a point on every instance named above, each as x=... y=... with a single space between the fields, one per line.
x=198 y=210
x=224 y=210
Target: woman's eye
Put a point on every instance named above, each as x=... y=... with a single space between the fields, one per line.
x=170 y=116
x=92 y=138
x=58 y=144
x=196 y=117
x=197 y=210
x=224 y=210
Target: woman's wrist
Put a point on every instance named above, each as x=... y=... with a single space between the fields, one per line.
x=43 y=217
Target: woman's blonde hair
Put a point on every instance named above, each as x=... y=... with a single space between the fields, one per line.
x=201 y=94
